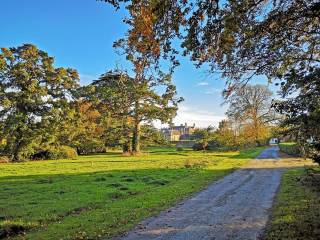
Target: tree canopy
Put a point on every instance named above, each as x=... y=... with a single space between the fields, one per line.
x=34 y=97
x=134 y=101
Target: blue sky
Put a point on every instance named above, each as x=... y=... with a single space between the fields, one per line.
x=80 y=34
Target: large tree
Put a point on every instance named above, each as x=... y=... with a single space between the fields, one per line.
x=34 y=98
x=250 y=108
x=133 y=102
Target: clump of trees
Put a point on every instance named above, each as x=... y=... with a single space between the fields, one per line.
x=250 y=115
x=132 y=102
x=251 y=121
x=44 y=113
x=34 y=100
x=243 y=39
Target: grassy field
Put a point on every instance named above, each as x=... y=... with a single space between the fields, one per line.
x=103 y=195
x=296 y=213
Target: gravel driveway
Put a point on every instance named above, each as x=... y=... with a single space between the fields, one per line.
x=236 y=207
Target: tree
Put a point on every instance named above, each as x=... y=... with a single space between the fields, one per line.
x=151 y=136
x=84 y=131
x=302 y=112
x=133 y=102
x=147 y=52
x=34 y=97
x=242 y=39
x=226 y=136
x=203 y=138
x=250 y=108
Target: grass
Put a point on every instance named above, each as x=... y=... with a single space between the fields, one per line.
x=296 y=213
x=103 y=195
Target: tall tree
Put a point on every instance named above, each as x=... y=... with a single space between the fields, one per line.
x=133 y=102
x=250 y=106
x=146 y=51
x=34 y=95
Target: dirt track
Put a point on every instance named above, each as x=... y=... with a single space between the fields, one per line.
x=236 y=207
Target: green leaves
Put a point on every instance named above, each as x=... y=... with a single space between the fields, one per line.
x=33 y=95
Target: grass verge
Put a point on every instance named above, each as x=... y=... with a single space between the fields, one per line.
x=296 y=212
x=103 y=195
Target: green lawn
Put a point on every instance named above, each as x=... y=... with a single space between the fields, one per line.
x=296 y=213
x=103 y=195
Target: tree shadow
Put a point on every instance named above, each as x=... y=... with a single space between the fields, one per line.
x=47 y=199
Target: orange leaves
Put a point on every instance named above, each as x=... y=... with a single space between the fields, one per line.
x=141 y=36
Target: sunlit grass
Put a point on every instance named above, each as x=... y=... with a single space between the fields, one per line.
x=103 y=195
x=296 y=213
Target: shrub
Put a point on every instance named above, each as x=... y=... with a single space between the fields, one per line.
x=91 y=147
x=179 y=149
x=4 y=159
x=59 y=152
x=290 y=148
x=200 y=146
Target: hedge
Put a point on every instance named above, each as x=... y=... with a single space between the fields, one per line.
x=290 y=148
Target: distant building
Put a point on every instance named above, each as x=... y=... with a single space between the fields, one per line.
x=273 y=141
x=176 y=133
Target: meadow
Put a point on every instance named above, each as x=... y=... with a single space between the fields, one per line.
x=100 y=196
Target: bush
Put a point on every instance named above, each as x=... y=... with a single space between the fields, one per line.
x=59 y=152
x=179 y=149
x=4 y=159
x=200 y=146
x=290 y=148
x=91 y=147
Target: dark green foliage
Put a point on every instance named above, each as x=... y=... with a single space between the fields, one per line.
x=290 y=148
x=303 y=111
x=204 y=138
x=59 y=152
x=151 y=136
x=34 y=99
x=125 y=102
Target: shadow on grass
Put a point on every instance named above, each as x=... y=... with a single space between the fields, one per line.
x=50 y=198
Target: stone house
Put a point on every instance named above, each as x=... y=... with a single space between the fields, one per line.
x=177 y=133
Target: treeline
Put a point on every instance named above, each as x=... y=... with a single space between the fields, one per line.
x=46 y=114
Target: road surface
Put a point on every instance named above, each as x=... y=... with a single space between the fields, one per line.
x=235 y=207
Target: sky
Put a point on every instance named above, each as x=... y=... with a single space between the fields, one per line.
x=80 y=34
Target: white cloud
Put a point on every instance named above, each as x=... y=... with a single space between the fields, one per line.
x=202 y=118
x=191 y=115
x=203 y=84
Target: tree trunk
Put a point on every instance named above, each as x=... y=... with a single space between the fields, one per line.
x=126 y=147
x=16 y=152
x=136 y=138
